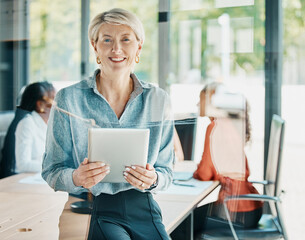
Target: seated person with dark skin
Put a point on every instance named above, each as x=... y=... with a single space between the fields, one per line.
x=29 y=124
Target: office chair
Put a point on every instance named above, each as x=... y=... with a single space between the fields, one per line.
x=186 y=132
x=270 y=225
x=6 y=164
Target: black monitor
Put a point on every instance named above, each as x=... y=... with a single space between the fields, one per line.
x=186 y=129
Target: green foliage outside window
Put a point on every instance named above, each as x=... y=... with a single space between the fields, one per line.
x=55 y=37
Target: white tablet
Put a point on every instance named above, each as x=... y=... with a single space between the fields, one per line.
x=118 y=147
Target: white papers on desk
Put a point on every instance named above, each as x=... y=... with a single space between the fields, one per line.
x=182 y=176
x=196 y=187
x=34 y=179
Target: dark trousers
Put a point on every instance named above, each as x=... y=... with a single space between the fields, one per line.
x=126 y=215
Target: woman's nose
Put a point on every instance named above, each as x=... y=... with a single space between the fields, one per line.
x=116 y=48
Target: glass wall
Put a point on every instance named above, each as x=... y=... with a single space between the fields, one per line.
x=210 y=41
x=293 y=112
x=14 y=51
x=224 y=41
x=56 y=57
x=220 y=41
x=55 y=40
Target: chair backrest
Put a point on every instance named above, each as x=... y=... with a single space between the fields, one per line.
x=186 y=132
x=274 y=155
x=201 y=127
x=5 y=121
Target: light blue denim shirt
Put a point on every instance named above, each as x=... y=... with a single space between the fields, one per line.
x=67 y=135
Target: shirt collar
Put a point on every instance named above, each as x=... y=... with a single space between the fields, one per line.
x=38 y=119
x=91 y=80
x=138 y=85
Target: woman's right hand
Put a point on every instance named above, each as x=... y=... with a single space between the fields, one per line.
x=89 y=174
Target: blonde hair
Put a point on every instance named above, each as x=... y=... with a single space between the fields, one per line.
x=116 y=16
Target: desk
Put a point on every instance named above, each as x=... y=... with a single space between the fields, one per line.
x=12 y=184
x=29 y=211
x=34 y=211
x=177 y=204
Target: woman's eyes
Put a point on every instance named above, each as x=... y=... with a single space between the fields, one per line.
x=108 y=40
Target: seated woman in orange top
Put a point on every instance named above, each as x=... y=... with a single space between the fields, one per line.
x=224 y=160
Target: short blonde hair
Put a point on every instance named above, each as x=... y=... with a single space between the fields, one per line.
x=116 y=16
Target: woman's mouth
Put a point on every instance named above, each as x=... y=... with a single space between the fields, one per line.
x=117 y=60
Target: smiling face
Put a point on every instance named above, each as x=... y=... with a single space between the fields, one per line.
x=117 y=48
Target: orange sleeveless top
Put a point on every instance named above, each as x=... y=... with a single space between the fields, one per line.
x=206 y=171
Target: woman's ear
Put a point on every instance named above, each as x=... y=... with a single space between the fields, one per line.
x=139 y=49
x=93 y=45
x=40 y=106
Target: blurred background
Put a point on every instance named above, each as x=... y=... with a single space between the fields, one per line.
x=254 y=47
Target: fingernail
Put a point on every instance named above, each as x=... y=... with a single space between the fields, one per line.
x=102 y=164
x=107 y=167
x=133 y=167
x=125 y=173
x=127 y=169
x=108 y=171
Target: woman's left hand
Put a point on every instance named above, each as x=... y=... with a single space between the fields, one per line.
x=140 y=177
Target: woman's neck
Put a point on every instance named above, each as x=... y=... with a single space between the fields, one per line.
x=44 y=117
x=115 y=87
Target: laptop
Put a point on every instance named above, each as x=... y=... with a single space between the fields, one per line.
x=118 y=147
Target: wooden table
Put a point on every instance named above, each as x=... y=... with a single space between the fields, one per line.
x=35 y=184
x=29 y=211
x=177 y=205
x=178 y=202
x=35 y=211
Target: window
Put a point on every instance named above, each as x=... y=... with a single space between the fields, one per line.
x=220 y=41
x=54 y=40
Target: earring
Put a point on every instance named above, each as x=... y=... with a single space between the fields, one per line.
x=41 y=110
x=98 y=60
x=137 y=59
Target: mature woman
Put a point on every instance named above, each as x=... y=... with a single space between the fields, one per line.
x=25 y=140
x=115 y=98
